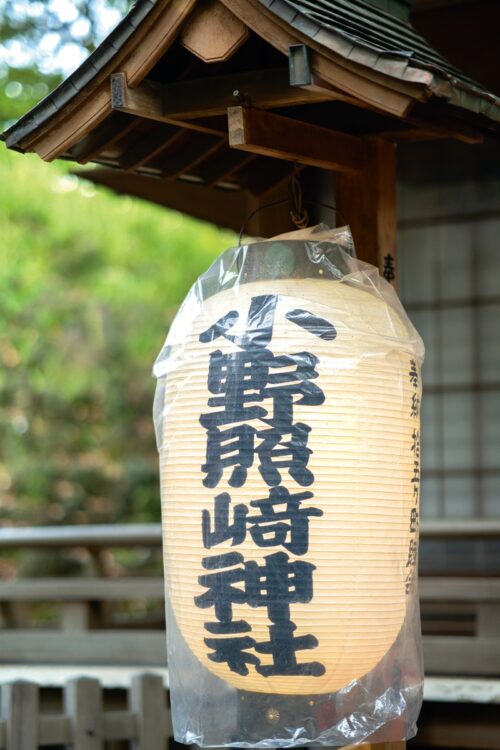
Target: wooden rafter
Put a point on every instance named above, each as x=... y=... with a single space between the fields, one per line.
x=146 y=101
x=93 y=104
x=148 y=147
x=223 y=207
x=268 y=134
x=190 y=153
x=104 y=138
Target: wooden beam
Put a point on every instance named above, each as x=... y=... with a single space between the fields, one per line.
x=366 y=200
x=268 y=134
x=190 y=154
x=226 y=208
x=104 y=137
x=265 y=89
x=213 y=33
x=149 y=146
x=146 y=101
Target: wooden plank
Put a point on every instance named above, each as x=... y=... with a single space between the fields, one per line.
x=146 y=101
x=20 y=705
x=264 y=175
x=366 y=200
x=83 y=706
x=150 y=145
x=94 y=536
x=108 y=647
x=211 y=96
x=147 y=699
x=105 y=137
x=213 y=33
x=81 y=589
x=54 y=730
x=488 y=619
x=268 y=134
x=461 y=655
x=226 y=208
x=444 y=589
x=189 y=154
x=459 y=725
x=75 y=616
x=120 y=725
x=470 y=528
x=224 y=167
x=98 y=535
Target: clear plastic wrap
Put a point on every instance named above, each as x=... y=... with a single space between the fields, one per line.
x=287 y=415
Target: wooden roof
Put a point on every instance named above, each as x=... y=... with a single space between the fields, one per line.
x=151 y=103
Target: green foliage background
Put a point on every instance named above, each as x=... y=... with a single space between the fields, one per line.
x=89 y=283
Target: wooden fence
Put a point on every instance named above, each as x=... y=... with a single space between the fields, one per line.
x=460 y=615
x=84 y=724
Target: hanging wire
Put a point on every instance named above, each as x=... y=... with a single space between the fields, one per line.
x=298 y=213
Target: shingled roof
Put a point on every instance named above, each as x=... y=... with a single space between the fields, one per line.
x=355 y=30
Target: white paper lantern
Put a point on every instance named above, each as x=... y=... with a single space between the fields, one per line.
x=338 y=569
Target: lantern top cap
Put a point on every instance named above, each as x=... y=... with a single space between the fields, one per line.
x=372 y=38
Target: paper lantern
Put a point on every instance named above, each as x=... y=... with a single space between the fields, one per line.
x=289 y=473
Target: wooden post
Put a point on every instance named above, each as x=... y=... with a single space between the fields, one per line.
x=366 y=200
x=83 y=706
x=147 y=699
x=20 y=715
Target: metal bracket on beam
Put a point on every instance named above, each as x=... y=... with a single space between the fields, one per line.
x=299 y=66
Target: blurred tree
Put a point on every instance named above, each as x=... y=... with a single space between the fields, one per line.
x=89 y=283
x=43 y=40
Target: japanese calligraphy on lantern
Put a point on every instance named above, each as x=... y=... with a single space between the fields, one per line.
x=286 y=467
x=411 y=562
x=252 y=419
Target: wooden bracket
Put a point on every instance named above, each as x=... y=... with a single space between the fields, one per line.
x=268 y=134
x=208 y=97
x=146 y=101
x=213 y=33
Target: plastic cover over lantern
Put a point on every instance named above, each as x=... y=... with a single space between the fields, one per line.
x=288 y=423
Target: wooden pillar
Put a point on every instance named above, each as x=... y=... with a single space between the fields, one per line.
x=366 y=200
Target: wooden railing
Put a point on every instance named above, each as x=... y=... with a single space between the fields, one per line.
x=84 y=723
x=460 y=615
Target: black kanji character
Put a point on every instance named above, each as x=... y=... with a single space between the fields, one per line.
x=233 y=652
x=240 y=377
x=415 y=406
x=389 y=272
x=287 y=528
x=312 y=323
x=259 y=326
x=413 y=373
x=293 y=454
x=221 y=593
x=282 y=646
x=222 y=529
x=416 y=472
x=277 y=584
x=412 y=554
x=415 y=446
x=225 y=448
x=285 y=385
x=413 y=520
